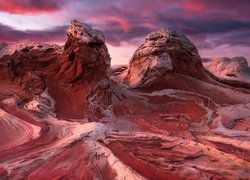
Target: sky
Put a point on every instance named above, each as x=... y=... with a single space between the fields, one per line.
x=217 y=27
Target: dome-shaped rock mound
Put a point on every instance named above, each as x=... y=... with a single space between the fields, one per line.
x=228 y=67
x=235 y=68
x=163 y=51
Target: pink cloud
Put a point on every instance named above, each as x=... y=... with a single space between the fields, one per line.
x=209 y=23
x=30 y=6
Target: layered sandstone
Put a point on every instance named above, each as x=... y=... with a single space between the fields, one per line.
x=66 y=114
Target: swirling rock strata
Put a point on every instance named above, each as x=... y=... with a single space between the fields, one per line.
x=65 y=114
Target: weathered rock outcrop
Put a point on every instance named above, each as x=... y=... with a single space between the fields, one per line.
x=163 y=51
x=80 y=70
x=26 y=46
x=77 y=72
x=235 y=68
x=65 y=114
x=85 y=57
x=228 y=67
x=24 y=63
x=85 y=33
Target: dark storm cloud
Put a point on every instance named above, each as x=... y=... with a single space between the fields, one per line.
x=208 y=23
x=8 y=34
x=234 y=38
x=197 y=26
x=117 y=35
x=127 y=20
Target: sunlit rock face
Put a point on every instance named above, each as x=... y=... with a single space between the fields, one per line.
x=85 y=33
x=66 y=114
x=228 y=67
x=163 y=51
x=235 y=68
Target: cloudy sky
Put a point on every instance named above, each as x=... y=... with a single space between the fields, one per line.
x=217 y=27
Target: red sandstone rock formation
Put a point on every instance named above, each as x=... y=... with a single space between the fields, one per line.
x=65 y=114
x=230 y=69
x=163 y=51
x=81 y=69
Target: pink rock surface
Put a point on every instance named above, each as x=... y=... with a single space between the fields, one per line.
x=66 y=114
